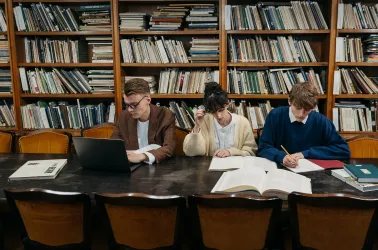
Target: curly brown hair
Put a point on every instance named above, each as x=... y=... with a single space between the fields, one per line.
x=136 y=86
x=303 y=95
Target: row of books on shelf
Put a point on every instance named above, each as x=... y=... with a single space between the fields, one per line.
x=154 y=50
x=52 y=17
x=355 y=116
x=62 y=81
x=5 y=81
x=7 y=117
x=293 y=15
x=354 y=81
x=357 y=16
x=261 y=49
x=62 y=115
x=272 y=81
x=357 y=49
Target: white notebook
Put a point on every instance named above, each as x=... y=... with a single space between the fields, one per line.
x=279 y=182
x=39 y=170
x=237 y=162
x=305 y=166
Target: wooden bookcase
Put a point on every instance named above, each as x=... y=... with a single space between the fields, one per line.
x=323 y=43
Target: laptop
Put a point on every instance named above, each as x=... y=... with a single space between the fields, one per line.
x=103 y=154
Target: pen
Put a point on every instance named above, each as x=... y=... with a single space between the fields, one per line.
x=287 y=152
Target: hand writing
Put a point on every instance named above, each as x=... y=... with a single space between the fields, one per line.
x=298 y=156
x=290 y=162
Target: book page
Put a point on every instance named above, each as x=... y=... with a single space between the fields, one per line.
x=240 y=180
x=259 y=162
x=305 y=166
x=286 y=182
x=228 y=163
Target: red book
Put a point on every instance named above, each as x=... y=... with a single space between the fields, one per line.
x=326 y=164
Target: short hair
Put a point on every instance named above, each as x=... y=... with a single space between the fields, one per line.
x=303 y=95
x=215 y=97
x=136 y=86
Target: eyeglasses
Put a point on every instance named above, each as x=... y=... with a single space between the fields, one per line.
x=134 y=106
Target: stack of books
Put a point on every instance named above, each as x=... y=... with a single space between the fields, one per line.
x=102 y=49
x=370 y=46
x=272 y=81
x=42 y=17
x=65 y=116
x=7 y=117
x=153 y=51
x=363 y=177
x=183 y=113
x=168 y=18
x=178 y=81
x=101 y=81
x=133 y=21
x=349 y=49
x=204 y=50
x=95 y=17
x=3 y=23
x=354 y=116
x=150 y=79
x=354 y=81
x=202 y=16
x=4 y=50
x=260 y=49
x=296 y=15
x=255 y=114
x=5 y=81
x=357 y=16
x=55 y=81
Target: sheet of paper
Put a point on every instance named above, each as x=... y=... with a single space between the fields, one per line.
x=228 y=163
x=145 y=149
x=305 y=166
x=259 y=162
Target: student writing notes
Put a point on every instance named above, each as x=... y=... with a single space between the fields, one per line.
x=219 y=133
x=304 y=132
x=143 y=124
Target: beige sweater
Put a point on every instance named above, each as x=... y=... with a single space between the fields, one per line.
x=203 y=143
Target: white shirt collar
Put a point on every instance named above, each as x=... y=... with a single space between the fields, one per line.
x=292 y=117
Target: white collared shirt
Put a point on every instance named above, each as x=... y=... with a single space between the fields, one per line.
x=224 y=137
x=142 y=129
x=293 y=119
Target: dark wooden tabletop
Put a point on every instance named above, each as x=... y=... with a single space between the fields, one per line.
x=175 y=176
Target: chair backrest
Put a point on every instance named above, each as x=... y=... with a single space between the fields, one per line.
x=45 y=142
x=233 y=222
x=142 y=221
x=50 y=219
x=333 y=221
x=6 y=142
x=104 y=131
x=363 y=146
x=180 y=137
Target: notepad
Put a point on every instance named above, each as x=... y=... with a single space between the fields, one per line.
x=39 y=170
x=305 y=166
x=237 y=162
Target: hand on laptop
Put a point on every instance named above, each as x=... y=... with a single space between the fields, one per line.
x=136 y=158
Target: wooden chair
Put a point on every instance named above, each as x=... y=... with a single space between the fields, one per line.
x=234 y=222
x=180 y=137
x=333 y=221
x=104 y=130
x=140 y=221
x=51 y=220
x=6 y=142
x=46 y=141
x=363 y=146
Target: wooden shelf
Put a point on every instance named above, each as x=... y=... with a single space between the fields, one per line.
x=277 y=64
x=66 y=65
x=357 y=96
x=180 y=32
x=4 y=95
x=357 y=31
x=4 y=64
x=264 y=96
x=277 y=32
x=7 y=128
x=357 y=64
x=4 y=33
x=169 y=65
x=61 y=1
x=62 y=33
x=67 y=95
x=177 y=96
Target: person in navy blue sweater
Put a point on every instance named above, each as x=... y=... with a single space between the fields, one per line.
x=302 y=131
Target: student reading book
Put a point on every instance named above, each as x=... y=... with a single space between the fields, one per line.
x=237 y=162
x=277 y=182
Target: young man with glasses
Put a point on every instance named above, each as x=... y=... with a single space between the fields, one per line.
x=303 y=132
x=143 y=123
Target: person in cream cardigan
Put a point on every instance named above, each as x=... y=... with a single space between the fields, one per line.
x=219 y=133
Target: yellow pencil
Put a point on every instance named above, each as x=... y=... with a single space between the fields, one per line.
x=287 y=152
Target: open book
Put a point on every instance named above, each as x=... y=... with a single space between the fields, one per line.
x=39 y=170
x=237 y=162
x=277 y=182
x=305 y=166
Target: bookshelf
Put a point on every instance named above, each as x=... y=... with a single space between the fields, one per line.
x=321 y=41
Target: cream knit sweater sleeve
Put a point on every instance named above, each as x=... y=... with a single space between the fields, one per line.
x=195 y=143
x=246 y=144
